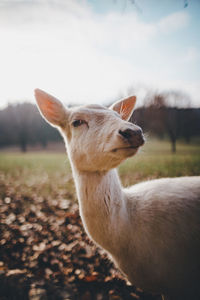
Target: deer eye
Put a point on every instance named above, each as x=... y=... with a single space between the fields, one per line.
x=78 y=123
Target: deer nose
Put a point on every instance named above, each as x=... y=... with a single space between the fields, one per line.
x=133 y=136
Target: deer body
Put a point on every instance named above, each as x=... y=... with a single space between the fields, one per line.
x=151 y=230
x=147 y=234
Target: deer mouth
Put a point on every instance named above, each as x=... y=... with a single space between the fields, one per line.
x=126 y=148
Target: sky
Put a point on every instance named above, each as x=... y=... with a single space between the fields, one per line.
x=98 y=51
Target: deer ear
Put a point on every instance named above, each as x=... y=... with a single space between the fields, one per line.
x=51 y=108
x=124 y=107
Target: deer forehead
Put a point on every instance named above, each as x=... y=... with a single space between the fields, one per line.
x=97 y=113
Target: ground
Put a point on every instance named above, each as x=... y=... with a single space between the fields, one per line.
x=44 y=251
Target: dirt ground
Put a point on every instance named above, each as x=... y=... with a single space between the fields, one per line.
x=45 y=254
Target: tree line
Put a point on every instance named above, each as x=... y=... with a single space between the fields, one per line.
x=22 y=125
x=163 y=116
x=171 y=122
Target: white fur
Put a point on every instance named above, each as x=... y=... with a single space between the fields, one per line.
x=152 y=229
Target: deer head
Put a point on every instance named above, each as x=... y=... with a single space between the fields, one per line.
x=97 y=138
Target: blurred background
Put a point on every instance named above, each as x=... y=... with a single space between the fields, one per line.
x=87 y=51
x=91 y=51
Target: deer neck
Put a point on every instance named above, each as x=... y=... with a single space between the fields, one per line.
x=100 y=198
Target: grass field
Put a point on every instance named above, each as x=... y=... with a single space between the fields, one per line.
x=49 y=173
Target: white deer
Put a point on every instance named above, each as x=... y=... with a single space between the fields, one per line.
x=152 y=229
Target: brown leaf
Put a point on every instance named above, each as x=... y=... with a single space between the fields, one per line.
x=90 y=278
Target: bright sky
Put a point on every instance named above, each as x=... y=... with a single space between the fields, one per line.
x=85 y=51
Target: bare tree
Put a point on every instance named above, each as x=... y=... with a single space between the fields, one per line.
x=167 y=113
x=163 y=115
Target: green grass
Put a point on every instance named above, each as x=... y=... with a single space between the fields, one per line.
x=155 y=160
x=46 y=174
x=34 y=174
